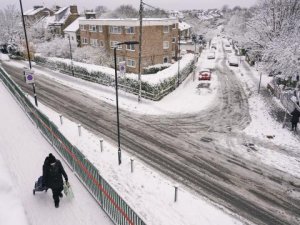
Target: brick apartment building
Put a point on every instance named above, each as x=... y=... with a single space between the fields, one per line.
x=159 y=39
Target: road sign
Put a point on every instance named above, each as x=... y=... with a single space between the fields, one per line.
x=122 y=67
x=29 y=76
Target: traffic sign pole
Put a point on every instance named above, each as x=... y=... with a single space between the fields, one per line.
x=35 y=97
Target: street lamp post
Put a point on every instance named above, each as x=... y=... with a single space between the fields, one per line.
x=71 y=57
x=28 y=52
x=117 y=97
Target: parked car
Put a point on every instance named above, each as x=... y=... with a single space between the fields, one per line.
x=233 y=61
x=204 y=74
x=211 y=55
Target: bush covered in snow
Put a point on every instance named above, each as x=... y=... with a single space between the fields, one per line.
x=155 y=68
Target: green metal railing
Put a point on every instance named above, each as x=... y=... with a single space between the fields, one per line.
x=115 y=207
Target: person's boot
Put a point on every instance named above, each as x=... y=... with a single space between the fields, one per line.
x=56 y=204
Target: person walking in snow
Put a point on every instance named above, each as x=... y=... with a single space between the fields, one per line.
x=295 y=119
x=53 y=172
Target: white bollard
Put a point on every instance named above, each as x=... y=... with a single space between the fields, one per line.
x=61 y=119
x=131 y=165
x=79 y=129
x=176 y=193
x=101 y=144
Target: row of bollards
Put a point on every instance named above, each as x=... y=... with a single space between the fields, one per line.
x=131 y=160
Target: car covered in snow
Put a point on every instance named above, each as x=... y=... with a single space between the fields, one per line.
x=204 y=74
x=211 y=55
x=233 y=61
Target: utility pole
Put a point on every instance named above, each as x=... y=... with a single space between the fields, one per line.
x=28 y=52
x=140 y=50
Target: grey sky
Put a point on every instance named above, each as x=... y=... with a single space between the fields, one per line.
x=111 y=4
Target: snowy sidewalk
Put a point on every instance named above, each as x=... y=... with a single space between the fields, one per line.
x=22 y=152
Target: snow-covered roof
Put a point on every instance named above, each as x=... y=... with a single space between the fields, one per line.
x=60 y=10
x=73 y=27
x=183 y=26
x=33 y=11
x=129 y=21
x=59 y=17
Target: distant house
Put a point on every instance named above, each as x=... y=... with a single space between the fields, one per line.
x=185 y=30
x=73 y=32
x=61 y=19
x=36 y=14
x=176 y=14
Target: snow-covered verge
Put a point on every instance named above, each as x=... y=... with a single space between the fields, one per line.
x=22 y=152
x=11 y=209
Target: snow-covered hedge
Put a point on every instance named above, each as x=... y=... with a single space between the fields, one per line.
x=156 y=68
x=154 y=86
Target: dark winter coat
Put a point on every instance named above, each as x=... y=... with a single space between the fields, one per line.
x=52 y=174
x=295 y=116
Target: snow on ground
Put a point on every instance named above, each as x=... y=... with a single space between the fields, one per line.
x=4 y=57
x=11 y=208
x=262 y=125
x=22 y=153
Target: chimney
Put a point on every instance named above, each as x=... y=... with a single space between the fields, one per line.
x=37 y=7
x=90 y=14
x=73 y=9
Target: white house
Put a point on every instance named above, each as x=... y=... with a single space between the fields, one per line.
x=185 y=30
x=73 y=31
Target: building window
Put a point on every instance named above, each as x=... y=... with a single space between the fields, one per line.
x=100 y=29
x=166 y=59
x=93 y=28
x=166 y=29
x=94 y=42
x=72 y=38
x=130 y=63
x=129 y=30
x=101 y=43
x=114 y=44
x=120 y=59
x=174 y=40
x=130 y=47
x=165 y=45
x=115 y=30
x=82 y=27
x=84 y=41
x=174 y=26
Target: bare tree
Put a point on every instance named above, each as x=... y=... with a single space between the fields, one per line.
x=155 y=13
x=100 y=10
x=125 y=11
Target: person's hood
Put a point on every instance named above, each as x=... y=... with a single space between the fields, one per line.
x=52 y=159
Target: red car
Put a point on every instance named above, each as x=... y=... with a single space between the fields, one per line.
x=204 y=74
